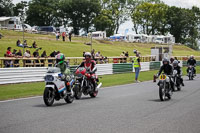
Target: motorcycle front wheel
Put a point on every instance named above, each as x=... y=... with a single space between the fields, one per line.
x=77 y=92
x=161 y=93
x=69 y=98
x=48 y=96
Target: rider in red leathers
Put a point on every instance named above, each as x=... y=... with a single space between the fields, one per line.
x=90 y=65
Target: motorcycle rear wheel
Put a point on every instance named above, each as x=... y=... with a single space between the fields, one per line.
x=77 y=92
x=48 y=96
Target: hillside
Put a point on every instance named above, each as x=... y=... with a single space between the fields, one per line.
x=77 y=46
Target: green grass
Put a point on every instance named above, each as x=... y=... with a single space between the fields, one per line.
x=13 y=91
x=77 y=46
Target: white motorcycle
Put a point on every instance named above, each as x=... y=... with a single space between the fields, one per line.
x=58 y=86
x=176 y=80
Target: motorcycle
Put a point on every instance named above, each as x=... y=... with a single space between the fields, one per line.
x=165 y=90
x=84 y=83
x=191 y=72
x=57 y=85
x=176 y=80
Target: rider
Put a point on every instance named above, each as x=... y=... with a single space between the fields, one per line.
x=178 y=68
x=90 y=65
x=191 y=62
x=168 y=70
x=60 y=63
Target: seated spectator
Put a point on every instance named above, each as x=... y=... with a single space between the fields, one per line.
x=27 y=54
x=17 y=55
x=26 y=45
x=34 y=45
x=43 y=55
x=19 y=44
x=6 y=62
x=14 y=52
x=50 y=62
x=9 y=53
x=36 y=55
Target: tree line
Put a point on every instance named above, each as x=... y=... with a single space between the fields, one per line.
x=151 y=17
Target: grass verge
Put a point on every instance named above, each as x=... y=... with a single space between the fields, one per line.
x=13 y=91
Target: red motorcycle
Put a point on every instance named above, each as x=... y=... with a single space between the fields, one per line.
x=84 y=83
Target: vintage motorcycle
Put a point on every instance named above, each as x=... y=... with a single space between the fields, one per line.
x=191 y=72
x=84 y=84
x=165 y=90
x=176 y=80
x=58 y=86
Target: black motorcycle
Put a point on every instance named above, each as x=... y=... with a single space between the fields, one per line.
x=176 y=80
x=191 y=72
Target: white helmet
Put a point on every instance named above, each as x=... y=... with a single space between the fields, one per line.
x=87 y=54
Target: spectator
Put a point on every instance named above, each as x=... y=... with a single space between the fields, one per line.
x=137 y=67
x=18 y=43
x=126 y=55
x=6 y=62
x=83 y=53
x=14 y=52
x=43 y=55
x=57 y=36
x=34 y=45
x=63 y=36
x=122 y=59
x=26 y=45
x=93 y=54
x=97 y=54
x=1 y=35
x=36 y=55
x=18 y=55
x=27 y=54
x=9 y=53
x=50 y=62
x=70 y=36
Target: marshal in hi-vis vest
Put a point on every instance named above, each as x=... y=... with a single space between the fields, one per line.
x=136 y=63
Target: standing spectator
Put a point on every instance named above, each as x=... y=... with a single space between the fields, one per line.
x=137 y=67
x=93 y=54
x=126 y=55
x=36 y=55
x=70 y=36
x=122 y=55
x=63 y=36
x=57 y=36
x=44 y=55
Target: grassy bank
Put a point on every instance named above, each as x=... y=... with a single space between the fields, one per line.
x=12 y=91
x=77 y=46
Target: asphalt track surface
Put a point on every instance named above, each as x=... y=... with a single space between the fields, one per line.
x=132 y=108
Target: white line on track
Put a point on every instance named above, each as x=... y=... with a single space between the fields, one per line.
x=20 y=99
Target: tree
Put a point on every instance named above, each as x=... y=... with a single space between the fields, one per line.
x=19 y=7
x=80 y=13
x=6 y=8
x=41 y=12
x=151 y=18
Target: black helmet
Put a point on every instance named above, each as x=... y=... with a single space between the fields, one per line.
x=165 y=60
x=175 y=63
x=60 y=58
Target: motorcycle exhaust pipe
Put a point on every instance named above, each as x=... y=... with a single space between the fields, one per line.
x=99 y=85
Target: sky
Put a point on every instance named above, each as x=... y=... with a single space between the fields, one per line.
x=178 y=3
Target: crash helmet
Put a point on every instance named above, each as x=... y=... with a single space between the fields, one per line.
x=165 y=61
x=60 y=58
x=175 y=63
x=87 y=56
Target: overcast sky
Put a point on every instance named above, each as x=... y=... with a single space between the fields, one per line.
x=178 y=3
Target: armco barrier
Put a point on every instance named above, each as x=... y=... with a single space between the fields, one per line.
x=154 y=65
x=34 y=74
x=122 y=67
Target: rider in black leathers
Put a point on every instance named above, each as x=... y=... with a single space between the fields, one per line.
x=179 y=72
x=191 y=62
x=168 y=70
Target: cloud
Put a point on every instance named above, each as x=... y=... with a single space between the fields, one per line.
x=182 y=3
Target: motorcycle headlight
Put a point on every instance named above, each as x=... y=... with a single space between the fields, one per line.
x=49 y=78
